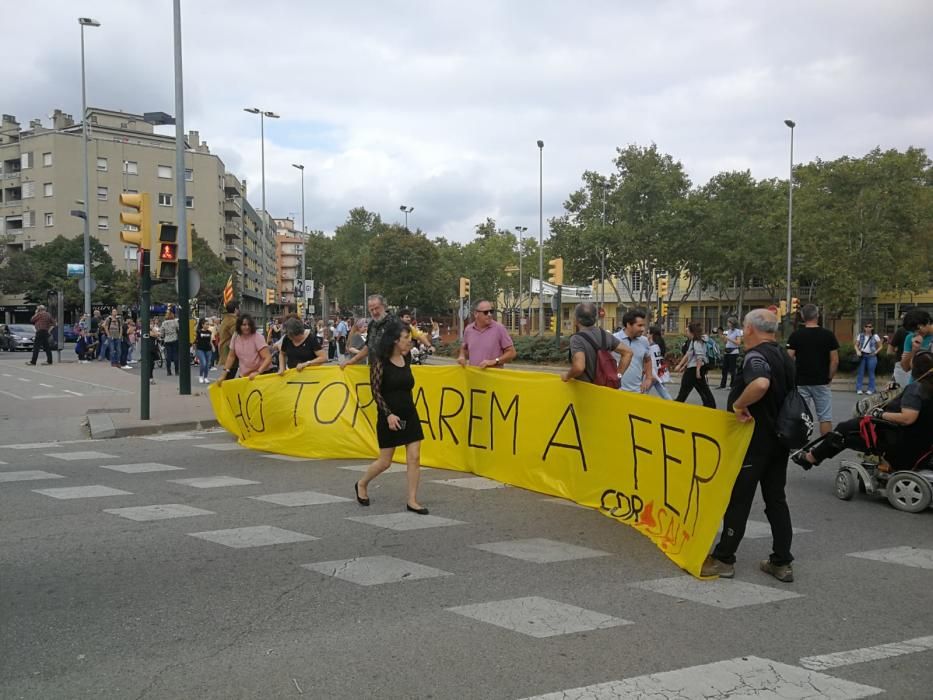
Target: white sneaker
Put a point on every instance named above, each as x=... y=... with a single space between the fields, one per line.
x=859 y=392
x=200 y=380
x=128 y=367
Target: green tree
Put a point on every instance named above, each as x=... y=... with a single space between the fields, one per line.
x=400 y=265
x=34 y=272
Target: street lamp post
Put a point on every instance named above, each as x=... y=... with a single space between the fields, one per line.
x=303 y=276
x=521 y=290
x=790 y=212
x=265 y=215
x=540 y=237
x=408 y=210
x=86 y=22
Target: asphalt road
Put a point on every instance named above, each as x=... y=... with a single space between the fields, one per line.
x=513 y=595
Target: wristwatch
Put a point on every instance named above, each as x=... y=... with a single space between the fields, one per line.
x=498 y=359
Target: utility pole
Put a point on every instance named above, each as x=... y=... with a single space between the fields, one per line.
x=181 y=219
x=145 y=289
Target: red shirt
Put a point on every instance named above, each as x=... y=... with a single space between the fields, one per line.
x=42 y=321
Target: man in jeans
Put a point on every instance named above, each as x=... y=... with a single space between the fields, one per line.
x=759 y=390
x=816 y=353
x=43 y=323
x=113 y=327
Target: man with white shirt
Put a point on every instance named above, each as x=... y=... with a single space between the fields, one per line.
x=639 y=376
x=730 y=358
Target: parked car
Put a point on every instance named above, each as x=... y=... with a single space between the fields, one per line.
x=71 y=333
x=23 y=335
x=6 y=339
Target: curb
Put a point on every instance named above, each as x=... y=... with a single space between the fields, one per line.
x=102 y=427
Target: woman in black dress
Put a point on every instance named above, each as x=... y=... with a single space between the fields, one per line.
x=299 y=348
x=398 y=423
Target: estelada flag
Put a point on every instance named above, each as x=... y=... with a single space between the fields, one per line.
x=228 y=291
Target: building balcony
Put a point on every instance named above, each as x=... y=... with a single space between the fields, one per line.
x=232 y=229
x=232 y=186
x=232 y=252
x=232 y=207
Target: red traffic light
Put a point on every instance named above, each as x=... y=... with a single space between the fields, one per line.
x=168 y=252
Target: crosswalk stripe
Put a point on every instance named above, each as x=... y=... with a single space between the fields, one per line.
x=858 y=656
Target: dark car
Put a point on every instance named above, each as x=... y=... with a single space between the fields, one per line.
x=6 y=339
x=71 y=333
x=23 y=335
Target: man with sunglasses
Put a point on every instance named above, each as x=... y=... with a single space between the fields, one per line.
x=486 y=342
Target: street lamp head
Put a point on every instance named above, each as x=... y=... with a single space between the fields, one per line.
x=252 y=110
x=271 y=115
x=88 y=22
x=540 y=143
x=790 y=123
x=298 y=165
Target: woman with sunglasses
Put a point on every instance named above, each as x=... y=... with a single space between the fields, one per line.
x=299 y=347
x=867 y=346
x=248 y=349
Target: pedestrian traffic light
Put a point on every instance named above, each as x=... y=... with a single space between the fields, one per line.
x=794 y=305
x=555 y=271
x=167 y=253
x=140 y=219
x=464 y=287
x=782 y=309
x=663 y=281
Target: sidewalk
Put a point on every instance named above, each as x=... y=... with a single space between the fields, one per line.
x=114 y=411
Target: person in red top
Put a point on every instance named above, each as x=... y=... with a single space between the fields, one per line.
x=43 y=323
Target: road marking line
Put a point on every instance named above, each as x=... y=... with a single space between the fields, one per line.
x=10 y=393
x=23 y=379
x=45 y=445
x=73 y=393
x=51 y=396
x=96 y=385
x=858 y=656
x=7 y=375
x=47 y=386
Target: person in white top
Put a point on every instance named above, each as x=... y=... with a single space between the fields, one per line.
x=730 y=358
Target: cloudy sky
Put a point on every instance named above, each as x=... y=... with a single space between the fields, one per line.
x=438 y=104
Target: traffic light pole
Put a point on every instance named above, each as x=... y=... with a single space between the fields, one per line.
x=145 y=369
x=559 y=312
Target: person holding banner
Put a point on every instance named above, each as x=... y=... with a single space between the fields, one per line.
x=300 y=347
x=376 y=303
x=398 y=423
x=767 y=376
x=486 y=342
x=248 y=349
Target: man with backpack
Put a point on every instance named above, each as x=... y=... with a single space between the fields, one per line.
x=590 y=351
x=759 y=392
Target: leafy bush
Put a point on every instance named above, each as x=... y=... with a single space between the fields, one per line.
x=533 y=349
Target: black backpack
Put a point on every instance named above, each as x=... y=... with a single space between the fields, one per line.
x=794 y=421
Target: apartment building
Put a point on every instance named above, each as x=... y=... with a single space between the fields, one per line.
x=288 y=249
x=41 y=183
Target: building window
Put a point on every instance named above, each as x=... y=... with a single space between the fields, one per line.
x=103 y=223
x=165 y=172
x=131 y=167
x=189 y=174
x=28 y=190
x=49 y=220
x=131 y=191
x=47 y=189
x=102 y=165
x=102 y=194
x=165 y=199
x=189 y=202
x=29 y=219
x=46 y=160
x=636 y=280
x=25 y=161
x=130 y=252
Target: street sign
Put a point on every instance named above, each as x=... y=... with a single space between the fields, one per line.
x=81 y=284
x=464 y=311
x=194 y=282
x=74 y=270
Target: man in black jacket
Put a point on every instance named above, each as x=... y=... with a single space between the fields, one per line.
x=759 y=390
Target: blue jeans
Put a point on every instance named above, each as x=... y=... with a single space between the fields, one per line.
x=204 y=363
x=867 y=363
x=659 y=389
x=116 y=345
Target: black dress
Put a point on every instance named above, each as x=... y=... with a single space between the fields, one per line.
x=304 y=352
x=395 y=390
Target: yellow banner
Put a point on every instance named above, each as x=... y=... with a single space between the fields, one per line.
x=664 y=468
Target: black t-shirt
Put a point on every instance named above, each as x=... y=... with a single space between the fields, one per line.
x=303 y=352
x=812 y=347
x=769 y=361
x=203 y=340
x=900 y=335
x=917 y=439
x=95 y=325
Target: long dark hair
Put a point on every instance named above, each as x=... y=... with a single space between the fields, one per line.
x=249 y=320
x=696 y=331
x=657 y=335
x=201 y=322
x=391 y=332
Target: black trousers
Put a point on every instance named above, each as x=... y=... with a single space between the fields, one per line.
x=729 y=363
x=689 y=381
x=847 y=436
x=41 y=342
x=769 y=470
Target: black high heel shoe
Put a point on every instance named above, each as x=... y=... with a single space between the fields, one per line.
x=356 y=490
x=419 y=511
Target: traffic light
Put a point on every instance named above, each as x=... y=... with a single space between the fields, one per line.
x=663 y=282
x=782 y=309
x=300 y=308
x=140 y=219
x=553 y=323
x=464 y=287
x=664 y=309
x=167 y=252
x=555 y=271
x=270 y=297
x=794 y=305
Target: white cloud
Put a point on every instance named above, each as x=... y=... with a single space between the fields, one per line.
x=438 y=104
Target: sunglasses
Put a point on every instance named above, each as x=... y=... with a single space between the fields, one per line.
x=485 y=311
